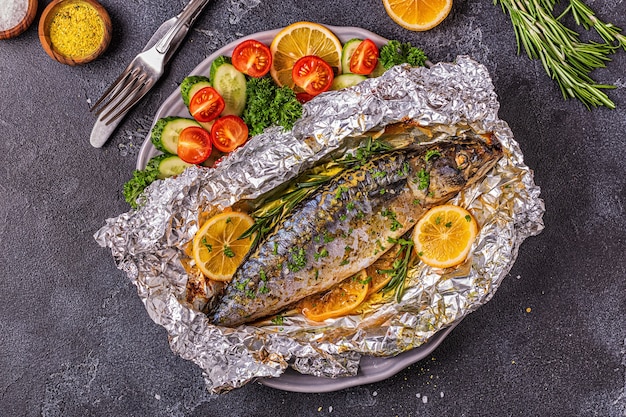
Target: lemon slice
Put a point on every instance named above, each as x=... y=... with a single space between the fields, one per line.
x=338 y=301
x=217 y=249
x=418 y=15
x=301 y=39
x=444 y=236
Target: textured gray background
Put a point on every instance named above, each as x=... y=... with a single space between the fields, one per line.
x=75 y=339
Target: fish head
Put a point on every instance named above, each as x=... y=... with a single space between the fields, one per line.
x=447 y=167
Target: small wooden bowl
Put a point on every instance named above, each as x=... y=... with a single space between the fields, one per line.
x=24 y=24
x=53 y=10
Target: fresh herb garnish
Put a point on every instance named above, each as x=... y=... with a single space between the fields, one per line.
x=395 y=53
x=298 y=260
x=141 y=179
x=391 y=215
x=422 y=179
x=269 y=105
x=340 y=190
x=274 y=209
x=400 y=266
x=321 y=254
x=241 y=286
x=431 y=153
x=206 y=244
x=564 y=56
x=228 y=251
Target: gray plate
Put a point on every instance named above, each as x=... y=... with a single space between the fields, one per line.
x=372 y=369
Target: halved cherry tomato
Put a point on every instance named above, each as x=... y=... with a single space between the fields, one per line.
x=206 y=105
x=194 y=145
x=312 y=74
x=365 y=58
x=228 y=133
x=252 y=58
x=303 y=97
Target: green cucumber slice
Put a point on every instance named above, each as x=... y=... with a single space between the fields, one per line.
x=231 y=85
x=216 y=63
x=191 y=85
x=164 y=134
x=346 y=53
x=170 y=165
x=346 y=80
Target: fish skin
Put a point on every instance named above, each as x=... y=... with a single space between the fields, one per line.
x=350 y=220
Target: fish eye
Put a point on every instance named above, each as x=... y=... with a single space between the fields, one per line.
x=462 y=160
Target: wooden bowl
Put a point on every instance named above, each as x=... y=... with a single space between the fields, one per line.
x=60 y=16
x=22 y=25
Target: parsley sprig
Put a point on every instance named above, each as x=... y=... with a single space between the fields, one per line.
x=566 y=59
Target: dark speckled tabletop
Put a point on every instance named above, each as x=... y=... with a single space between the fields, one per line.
x=75 y=339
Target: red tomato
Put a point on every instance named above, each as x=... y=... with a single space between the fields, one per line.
x=365 y=58
x=206 y=105
x=252 y=58
x=228 y=133
x=194 y=145
x=303 y=97
x=312 y=74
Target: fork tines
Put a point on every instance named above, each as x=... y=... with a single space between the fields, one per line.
x=129 y=88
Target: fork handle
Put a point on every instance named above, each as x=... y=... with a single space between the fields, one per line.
x=184 y=21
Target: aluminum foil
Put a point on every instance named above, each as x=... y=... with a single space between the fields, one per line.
x=149 y=244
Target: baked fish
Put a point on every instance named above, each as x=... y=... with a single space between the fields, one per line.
x=346 y=225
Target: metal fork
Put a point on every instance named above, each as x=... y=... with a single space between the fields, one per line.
x=142 y=73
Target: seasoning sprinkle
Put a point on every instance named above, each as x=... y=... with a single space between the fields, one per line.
x=76 y=30
x=12 y=13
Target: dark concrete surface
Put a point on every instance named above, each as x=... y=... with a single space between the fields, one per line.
x=75 y=339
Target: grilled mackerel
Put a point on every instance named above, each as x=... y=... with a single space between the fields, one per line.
x=346 y=225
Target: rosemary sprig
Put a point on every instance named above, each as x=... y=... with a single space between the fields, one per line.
x=566 y=59
x=400 y=267
x=586 y=17
x=267 y=216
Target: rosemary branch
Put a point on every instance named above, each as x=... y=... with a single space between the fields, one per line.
x=267 y=216
x=400 y=267
x=566 y=59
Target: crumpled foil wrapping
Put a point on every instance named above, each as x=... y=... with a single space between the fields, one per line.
x=149 y=243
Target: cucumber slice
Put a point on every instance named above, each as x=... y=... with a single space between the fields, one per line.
x=346 y=80
x=164 y=134
x=168 y=165
x=231 y=84
x=346 y=53
x=191 y=85
x=216 y=63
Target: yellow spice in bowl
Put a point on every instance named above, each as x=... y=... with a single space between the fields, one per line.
x=76 y=29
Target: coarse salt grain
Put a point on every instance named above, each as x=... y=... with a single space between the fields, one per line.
x=424 y=399
x=12 y=12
